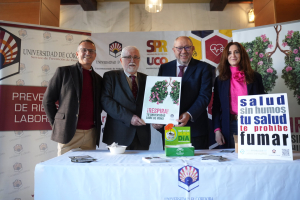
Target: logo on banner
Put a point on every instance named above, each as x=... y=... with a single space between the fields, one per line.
x=69 y=38
x=19 y=133
x=154 y=45
x=180 y=151
x=17 y=184
x=20 y=82
x=22 y=33
x=157 y=48
x=188 y=178
x=43 y=147
x=43 y=133
x=45 y=69
x=197 y=53
x=18 y=148
x=214 y=48
x=115 y=49
x=9 y=54
x=44 y=83
x=47 y=35
x=217 y=49
x=18 y=167
x=22 y=67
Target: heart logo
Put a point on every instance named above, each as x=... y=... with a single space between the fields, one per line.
x=217 y=49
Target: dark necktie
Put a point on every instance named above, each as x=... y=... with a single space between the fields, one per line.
x=134 y=87
x=181 y=67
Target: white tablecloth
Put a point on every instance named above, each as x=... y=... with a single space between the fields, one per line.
x=127 y=177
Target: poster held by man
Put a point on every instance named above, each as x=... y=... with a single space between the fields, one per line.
x=162 y=100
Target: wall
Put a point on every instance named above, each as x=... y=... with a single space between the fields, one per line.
x=125 y=17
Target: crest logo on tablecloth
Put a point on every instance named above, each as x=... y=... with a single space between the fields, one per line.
x=115 y=49
x=188 y=178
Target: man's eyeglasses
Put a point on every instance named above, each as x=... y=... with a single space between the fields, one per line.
x=84 y=50
x=130 y=57
x=187 y=48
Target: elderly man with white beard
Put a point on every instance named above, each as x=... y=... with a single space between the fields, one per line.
x=122 y=99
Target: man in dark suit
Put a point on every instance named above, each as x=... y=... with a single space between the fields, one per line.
x=122 y=99
x=196 y=90
x=77 y=121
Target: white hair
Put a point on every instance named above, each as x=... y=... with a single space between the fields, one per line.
x=125 y=49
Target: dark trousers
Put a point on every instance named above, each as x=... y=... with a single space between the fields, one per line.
x=136 y=144
x=233 y=131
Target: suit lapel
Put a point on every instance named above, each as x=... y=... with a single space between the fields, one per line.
x=190 y=70
x=76 y=78
x=249 y=88
x=124 y=84
x=225 y=91
x=141 y=86
x=173 y=69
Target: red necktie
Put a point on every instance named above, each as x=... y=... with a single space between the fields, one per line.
x=134 y=87
x=181 y=67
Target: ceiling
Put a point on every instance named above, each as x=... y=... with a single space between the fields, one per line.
x=215 y=5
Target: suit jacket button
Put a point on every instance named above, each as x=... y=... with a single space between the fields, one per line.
x=76 y=115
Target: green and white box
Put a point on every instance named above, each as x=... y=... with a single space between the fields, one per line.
x=178 y=141
x=180 y=150
x=178 y=135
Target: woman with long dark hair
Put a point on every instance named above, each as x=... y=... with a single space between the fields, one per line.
x=236 y=78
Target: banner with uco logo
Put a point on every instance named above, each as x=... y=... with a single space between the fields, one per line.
x=29 y=56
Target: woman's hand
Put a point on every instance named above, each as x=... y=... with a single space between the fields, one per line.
x=219 y=138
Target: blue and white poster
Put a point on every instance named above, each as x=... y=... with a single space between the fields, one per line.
x=264 y=127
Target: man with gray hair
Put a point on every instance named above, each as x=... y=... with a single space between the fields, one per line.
x=77 y=88
x=122 y=99
x=195 y=90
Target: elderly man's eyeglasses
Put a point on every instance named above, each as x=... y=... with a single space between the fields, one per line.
x=187 y=48
x=130 y=57
x=84 y=50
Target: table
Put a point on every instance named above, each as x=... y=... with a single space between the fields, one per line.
x=127 y=177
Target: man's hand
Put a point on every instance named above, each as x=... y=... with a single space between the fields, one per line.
x=157 y=126
x=136 y=121
x=219 y=138
x=183 y=119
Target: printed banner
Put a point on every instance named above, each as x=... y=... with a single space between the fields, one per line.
x=29 y=56
x=274 y=52
x=161 y=100
x=264 y=127
x=23 y=108
x=155 y=49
